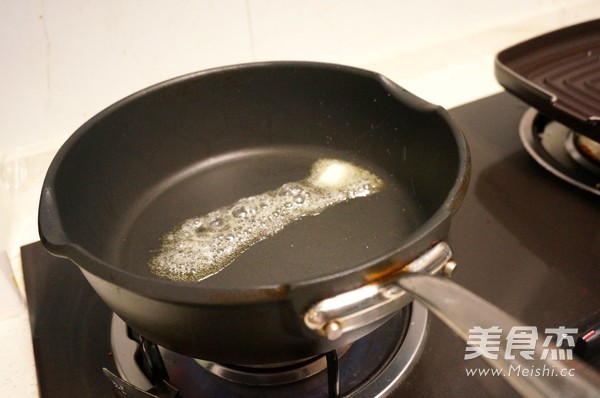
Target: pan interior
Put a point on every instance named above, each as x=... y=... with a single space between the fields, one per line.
x=340 y=238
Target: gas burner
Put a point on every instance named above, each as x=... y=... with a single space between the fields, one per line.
x=270 y=375
x=568 y=155
x=373 y=366
x=585 y=151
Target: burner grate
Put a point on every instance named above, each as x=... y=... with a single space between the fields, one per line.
x=370 y=367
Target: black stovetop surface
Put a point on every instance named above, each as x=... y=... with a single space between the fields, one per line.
x=524 y=240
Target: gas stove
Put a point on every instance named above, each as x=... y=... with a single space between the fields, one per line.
x=524 y=240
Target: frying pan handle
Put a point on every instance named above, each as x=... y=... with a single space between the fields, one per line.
x=462 y=310
x=332 y=317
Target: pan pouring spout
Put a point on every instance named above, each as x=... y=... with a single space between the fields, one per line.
x=202 y=246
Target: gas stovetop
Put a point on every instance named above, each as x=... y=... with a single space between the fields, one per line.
x=524 y=240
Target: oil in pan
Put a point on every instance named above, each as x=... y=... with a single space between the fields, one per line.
x=202 y=246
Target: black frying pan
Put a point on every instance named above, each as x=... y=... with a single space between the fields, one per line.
x=190 y=145
x=193 y=144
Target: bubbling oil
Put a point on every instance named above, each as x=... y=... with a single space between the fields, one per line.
x=202 y=246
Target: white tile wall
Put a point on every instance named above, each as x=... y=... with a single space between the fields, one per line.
x=63 y=61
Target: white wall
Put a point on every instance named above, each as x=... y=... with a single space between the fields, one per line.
x=65 y=60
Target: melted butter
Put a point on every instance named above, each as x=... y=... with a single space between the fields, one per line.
x=202 y=246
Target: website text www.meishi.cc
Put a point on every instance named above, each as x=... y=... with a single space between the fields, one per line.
x=521 y=341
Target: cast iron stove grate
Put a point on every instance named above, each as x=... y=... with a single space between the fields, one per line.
x=368 y=367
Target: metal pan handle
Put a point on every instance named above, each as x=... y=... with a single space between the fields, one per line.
x=461 y=310
x=332 y=317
